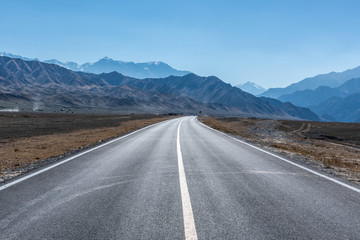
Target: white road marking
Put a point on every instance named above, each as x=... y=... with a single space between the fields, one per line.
x=285 y=160
x=73 y=157
x=189 y=223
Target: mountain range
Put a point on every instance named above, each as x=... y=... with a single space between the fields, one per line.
x=332 y=96
x=36 y=85
x=309 y=97
x=332 y=79
x=155 y=69
x=333 y=104
x=344 y=109
x=252 y=88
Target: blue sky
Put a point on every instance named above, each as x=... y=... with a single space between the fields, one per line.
x=271 y=42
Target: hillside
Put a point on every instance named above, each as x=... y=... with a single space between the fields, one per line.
x=333 y=104
x=308 y=98
x=32 y=85
x=340 y=109
x=53 y=87
x=292 y=109
x=210 y=90
x=333 y=79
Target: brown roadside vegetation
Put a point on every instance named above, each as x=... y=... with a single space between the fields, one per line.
x=29 y=138
x=334 y=146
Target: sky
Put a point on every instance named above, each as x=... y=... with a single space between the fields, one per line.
x=271 y=42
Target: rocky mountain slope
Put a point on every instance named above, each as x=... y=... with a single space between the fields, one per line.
x=54 y=87
x=210 y=90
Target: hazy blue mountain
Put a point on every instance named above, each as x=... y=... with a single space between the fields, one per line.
x=340 y=109
x=333 y=79
x=308 y=98
x=292 y=109
x=106 y=65
x=136 y=70
x=57 y=87
x=69 y=65
x=6 y=54
x=252 y=88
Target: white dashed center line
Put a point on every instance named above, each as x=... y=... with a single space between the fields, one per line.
x=189 y=223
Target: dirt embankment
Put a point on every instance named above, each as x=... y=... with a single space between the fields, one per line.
x=30 y=140
x=333 y=146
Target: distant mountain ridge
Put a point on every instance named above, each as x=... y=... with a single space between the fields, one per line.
x=308 y=98
x=333 y=96
x=54 y=87
x=30 y=84
x=344 y=109
x=333 y=79
x=333 y=104
x=155 y=69
x=252 y=88
x=291 y=109
x=10 y=55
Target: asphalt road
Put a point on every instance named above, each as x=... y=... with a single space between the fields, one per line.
x=172 y=181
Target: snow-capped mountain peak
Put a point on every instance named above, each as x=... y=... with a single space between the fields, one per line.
x=252 y=88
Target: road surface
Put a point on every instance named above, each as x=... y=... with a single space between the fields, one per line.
x=177 y=181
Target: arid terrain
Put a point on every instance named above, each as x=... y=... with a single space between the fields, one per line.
x=333 y=146
x=30 y=140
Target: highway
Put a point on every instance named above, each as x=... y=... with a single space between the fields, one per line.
x=178 y=180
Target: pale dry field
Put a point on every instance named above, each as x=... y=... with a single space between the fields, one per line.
x=26 y=139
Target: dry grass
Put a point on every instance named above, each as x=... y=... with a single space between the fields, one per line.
x=19 y=152
x=231 y=125
x=335 y=146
